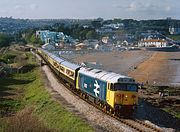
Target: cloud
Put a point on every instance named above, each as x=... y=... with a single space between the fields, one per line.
x=132 y=6
x=148 y=7
x=19 y=7
x=168 y=8
x=23 y=9
x=34 y=6
x=140 y=5
x=26 y=7
x=138 y=9
x=3 y=11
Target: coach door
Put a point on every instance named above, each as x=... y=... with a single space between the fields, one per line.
x=108 y=92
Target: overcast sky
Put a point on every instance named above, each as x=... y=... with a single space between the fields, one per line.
x=80 y=9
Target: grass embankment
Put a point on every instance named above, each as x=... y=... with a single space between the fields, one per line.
x=25 y=105
x=174 y=37
x=54 y=114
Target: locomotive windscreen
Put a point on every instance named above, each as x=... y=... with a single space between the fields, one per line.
x=125 y=87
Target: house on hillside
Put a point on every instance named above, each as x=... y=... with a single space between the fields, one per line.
x=47 y=36
x=81 y=46
x=152 y=43
x=103 y=47
x=174 y=30
x=106 y=40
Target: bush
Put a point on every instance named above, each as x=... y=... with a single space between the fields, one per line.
x=8 y=58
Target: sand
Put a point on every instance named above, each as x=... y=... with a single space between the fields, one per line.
x=156 y=68
x=119 y=62
x=160 y=69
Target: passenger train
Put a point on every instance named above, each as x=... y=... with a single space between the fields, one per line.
x=115 y=93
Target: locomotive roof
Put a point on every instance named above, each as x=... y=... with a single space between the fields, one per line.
x=106 y=76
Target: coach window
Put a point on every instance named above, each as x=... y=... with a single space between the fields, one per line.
x=67 y=71
x=62 y=69
x=55 y=64
x=58 y=66
x=71 y=74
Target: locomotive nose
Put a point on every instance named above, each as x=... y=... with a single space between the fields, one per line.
x=118 y=98
x=129 y=99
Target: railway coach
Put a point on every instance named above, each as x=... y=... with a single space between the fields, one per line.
x=66 y=70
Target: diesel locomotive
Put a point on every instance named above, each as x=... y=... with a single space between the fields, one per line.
x=115 y=93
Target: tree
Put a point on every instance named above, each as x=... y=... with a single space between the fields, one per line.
x=82 y=34
x=96 y=24
x=35 y=40
x=91 y=35
x=5 y=40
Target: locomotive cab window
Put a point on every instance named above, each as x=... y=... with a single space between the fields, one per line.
x=125 y=87
x=132 y=87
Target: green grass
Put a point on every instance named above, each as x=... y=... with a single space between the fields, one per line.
x=28 y=91
x=3 y=125
x=50 y=111
x=174 y=37
x=11 y=93
x=172 y=112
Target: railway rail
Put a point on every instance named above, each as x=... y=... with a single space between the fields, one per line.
x=134 y=124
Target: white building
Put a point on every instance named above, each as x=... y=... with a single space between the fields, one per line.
x=173 y=30
x=152 y=43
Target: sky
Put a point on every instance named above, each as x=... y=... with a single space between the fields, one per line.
x=90 y=9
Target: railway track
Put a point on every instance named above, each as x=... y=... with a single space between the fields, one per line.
x=140 y=125
x=134 y=124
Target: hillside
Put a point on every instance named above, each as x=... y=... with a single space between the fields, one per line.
x=24 y=96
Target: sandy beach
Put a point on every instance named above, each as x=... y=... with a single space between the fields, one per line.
x=155 y=68
x=160 y=69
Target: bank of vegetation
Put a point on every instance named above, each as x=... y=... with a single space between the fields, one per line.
x=25 y=105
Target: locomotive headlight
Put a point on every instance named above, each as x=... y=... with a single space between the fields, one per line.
x=126 y=96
